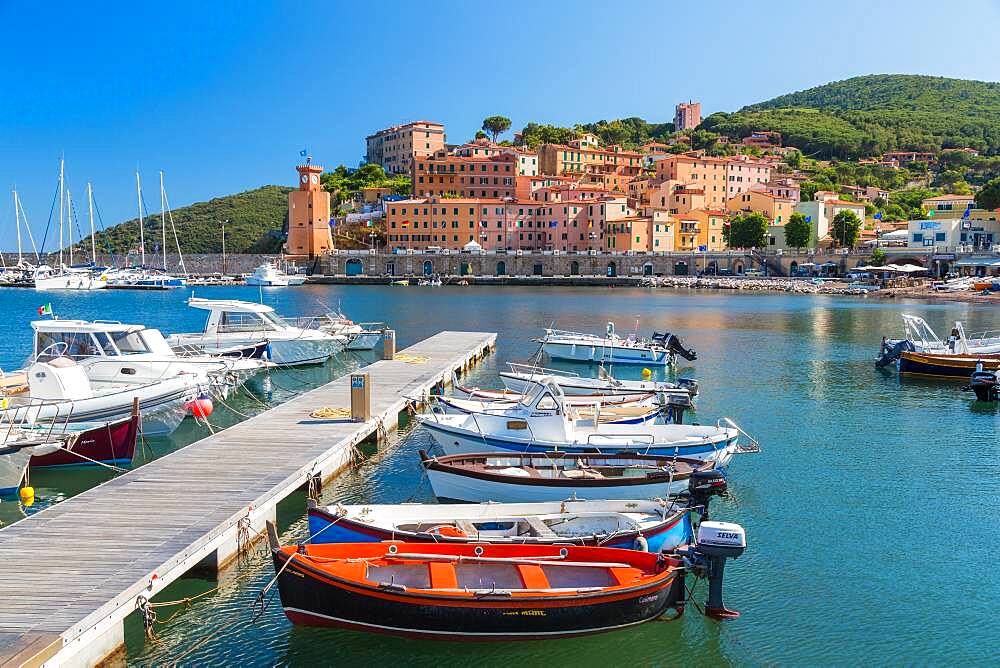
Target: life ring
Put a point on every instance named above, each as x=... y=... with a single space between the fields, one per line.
x=448 y=531
x=640 y=544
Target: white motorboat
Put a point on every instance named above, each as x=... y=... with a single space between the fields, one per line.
x=654 y=526
x=109 y=349
x=541 y=422
x=233 y=323
x=512 y=397
x=520 y=376
x=556 y=476
x=636 y=413
x=269 y=275
x=59 y=390
x=660 y=350
x=921 y=338
x=962 y=284
x=360 y=336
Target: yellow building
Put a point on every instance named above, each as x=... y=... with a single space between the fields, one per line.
x=641 y=234
x=777 y=209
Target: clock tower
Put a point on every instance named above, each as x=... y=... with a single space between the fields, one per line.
x=308 y=216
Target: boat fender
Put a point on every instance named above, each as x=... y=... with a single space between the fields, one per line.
x=27 y=494
x=448 y=531
x=640 y=544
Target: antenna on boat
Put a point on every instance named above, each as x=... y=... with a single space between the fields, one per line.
x=62 y=198
x=163 y=222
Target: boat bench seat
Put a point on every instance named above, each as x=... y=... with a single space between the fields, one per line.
x=442 y=575
x=625 y=576
x=532 y=576
x=539 y=528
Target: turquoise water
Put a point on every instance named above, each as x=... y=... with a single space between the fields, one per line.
x=871 y=513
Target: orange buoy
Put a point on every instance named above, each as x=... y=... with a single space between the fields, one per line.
x=201 y=407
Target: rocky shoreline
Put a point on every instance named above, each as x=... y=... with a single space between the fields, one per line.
x=806 y=286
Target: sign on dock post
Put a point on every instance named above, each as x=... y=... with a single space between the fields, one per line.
x=361 y=397
x=389 y=344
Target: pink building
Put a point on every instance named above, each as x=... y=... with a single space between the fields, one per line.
x=687 y=115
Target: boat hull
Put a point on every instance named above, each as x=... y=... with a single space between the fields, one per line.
x=112 y=443
x=944 y=366
x=312 y=598
x=455 y=441
x=365 y=341
x=12 y=470
x=326 y=527
x=608 y=354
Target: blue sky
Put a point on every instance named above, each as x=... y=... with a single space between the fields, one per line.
x=221 y=96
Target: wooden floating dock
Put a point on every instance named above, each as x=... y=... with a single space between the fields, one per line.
x=73 y=572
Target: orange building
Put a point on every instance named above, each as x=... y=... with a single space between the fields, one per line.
x=484 y=176
x=687 y=115
x=451 y=223
x=611 y=167
x=643 y=234
x=395 y=148
x=720 y=178
x=710 y=226
x=308 y=215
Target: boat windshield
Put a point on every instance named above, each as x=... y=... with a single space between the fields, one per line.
x=275 y=320
x=76 y=345
x=130 y=343
x=242 y=321
x=529 y=397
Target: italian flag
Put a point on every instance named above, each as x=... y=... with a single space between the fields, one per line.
x=45 y=309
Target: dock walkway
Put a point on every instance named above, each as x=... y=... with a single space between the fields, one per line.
x=71 y=573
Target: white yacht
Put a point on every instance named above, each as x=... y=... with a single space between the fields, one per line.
x=233 y=323
x=70 y=278
x=108 y=349
x=269 y=275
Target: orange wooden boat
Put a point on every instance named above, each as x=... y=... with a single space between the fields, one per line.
x=474 y=591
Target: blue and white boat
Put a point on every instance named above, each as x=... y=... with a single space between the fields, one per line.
x=541 y=422
x=642 y=412
x=651 y=525
x=660 y=350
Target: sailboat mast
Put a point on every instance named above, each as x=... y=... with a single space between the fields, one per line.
x=27 y=228
x=163 y=222
x=142 y=232
x=62 y=199
x=69 y=219
x=17 y=222
x=90 y=209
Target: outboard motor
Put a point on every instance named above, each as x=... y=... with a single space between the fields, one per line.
x=689 y=384
x=673 y=344
x=674 y=408
x=983 y=383
x=716 y=542
x=703 y=485
x=890 y=353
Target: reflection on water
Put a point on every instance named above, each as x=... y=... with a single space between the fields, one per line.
x=870 y=512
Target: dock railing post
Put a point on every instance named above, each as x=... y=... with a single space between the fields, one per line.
x=361 y=397
x=389 y=344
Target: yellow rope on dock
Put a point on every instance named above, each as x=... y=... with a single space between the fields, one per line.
x=410 y=359
x=329 y=412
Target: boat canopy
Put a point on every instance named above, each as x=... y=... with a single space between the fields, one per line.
x=234 y=305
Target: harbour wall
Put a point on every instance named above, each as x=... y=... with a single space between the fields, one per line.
x=198 y=263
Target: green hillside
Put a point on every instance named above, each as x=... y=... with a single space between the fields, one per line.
x=256 y=218
x=870 y=115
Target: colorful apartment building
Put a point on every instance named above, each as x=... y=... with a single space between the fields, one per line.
x=452 y=223
x=820 y=213
x=611 y=167
x=777 y=209
x=865 y=193
x=687 y=115
x=479 y=176
x=395 y=148
x=720 y=178
x=785 y=187
x=641 y=234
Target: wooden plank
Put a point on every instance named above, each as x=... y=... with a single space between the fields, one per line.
x=146 y=521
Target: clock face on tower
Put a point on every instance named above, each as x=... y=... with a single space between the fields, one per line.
x=305 y=178
x=315 y=178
